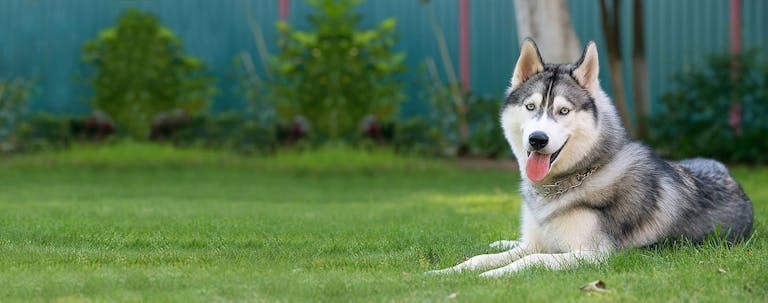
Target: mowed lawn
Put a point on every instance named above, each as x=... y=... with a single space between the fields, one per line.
x=145 y=223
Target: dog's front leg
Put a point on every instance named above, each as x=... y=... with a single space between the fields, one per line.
x=487 y=260
x=505 y=244
x=550 y=261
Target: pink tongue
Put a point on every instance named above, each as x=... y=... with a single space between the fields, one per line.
x=537 y=166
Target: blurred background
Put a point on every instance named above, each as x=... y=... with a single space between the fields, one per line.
x=417 y=77
x=334 y=150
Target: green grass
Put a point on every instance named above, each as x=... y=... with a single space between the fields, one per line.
x=151 y=223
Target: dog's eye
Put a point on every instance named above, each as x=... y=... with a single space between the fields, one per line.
x=530 y=106
x=564 y=111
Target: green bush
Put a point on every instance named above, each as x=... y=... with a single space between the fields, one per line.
x=231 y=131
x=94 y=127
x=250 y=87
x=14 y=97
x=336 y=74
x=486 y=138
x=442 y=117
x=44 y=132
x=694 y=120
x=141 y=70
x=417 y=136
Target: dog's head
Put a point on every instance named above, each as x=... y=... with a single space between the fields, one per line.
x=550 y=117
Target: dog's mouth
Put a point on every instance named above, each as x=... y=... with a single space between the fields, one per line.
x=537 y=165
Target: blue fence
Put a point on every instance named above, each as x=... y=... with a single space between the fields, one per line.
x=42 y=40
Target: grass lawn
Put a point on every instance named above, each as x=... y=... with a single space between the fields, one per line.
x=148 y=223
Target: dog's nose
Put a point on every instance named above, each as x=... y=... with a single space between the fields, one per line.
x=538 y=140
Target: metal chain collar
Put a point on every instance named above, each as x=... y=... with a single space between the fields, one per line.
x=564 y=184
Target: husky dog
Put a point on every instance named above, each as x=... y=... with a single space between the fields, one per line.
x=587 y=189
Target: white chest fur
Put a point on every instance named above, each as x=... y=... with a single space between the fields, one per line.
x=576 y=229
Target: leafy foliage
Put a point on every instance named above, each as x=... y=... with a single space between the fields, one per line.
x=486 y=138
x=141 y=70
x=694 y=120
x=443 y=118
x=444 y=121
x=335 y=75
x=417 y=136
x=95 y=127
x=45 y=132
x=14 y=96
x=252 y=89
x=437 y=134
x=232 y=131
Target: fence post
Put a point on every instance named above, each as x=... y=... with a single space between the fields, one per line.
x=735 y=33
x=284 y=7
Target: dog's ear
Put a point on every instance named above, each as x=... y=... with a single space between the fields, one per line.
x=587 y=68
x=528 y=64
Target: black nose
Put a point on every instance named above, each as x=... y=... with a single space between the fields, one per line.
x=538 y=140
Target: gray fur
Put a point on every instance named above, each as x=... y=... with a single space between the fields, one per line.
x=602 y=192
x=705 y=194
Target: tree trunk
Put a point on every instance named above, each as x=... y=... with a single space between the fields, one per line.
x=549 y=23
x=611 y=30
x=639 y=69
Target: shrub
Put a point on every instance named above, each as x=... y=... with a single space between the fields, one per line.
x=166 y=125
x=232 y=131
x=447 y=115
x=95 y=127
x=375 y=132
x=694 y=120
x=14 y=97
x=294 y=132
x=486 y=138
x=336 y=74
x=141 y=70
x=417 y=136
x=44 y=132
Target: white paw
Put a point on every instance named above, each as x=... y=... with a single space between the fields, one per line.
x=498 y=272
x=504 y=244
x=491 y=274
x=501 y=271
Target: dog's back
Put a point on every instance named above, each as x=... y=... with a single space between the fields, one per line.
x=717 y=200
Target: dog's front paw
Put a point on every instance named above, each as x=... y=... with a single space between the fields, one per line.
x=504 y=244
x=506 y=270
x=494 y=273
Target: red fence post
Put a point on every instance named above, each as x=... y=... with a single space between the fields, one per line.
x=735 y=27
x=284 y=7
x=735 y=113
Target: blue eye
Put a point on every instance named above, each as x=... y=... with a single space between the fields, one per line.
x=530 y=106
x=564 y=111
